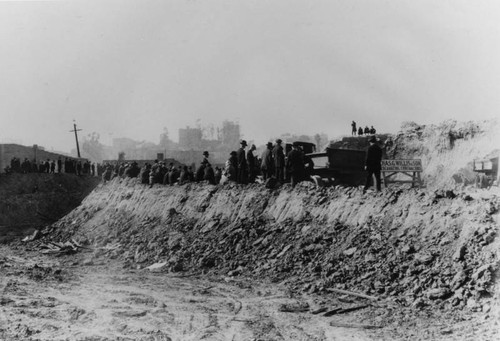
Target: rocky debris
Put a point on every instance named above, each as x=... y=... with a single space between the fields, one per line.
x=68 y=247
x=157 y=267
x=354 y=325
x=294 y=307
x=418 y=253
x=36 y=234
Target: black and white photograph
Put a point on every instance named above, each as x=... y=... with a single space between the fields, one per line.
x=249 y=170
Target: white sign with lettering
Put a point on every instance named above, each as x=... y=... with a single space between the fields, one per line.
x=403 y=165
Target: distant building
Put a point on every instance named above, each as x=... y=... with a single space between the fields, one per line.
x=190 y=138
x=230 y=134
x=192 y=144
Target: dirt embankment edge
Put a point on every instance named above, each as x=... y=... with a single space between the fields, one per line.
x=418 y=247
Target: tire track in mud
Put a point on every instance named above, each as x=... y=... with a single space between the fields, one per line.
x=106 y=302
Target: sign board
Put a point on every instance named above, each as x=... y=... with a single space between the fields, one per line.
x=403 y=165
x=408 y=167
x=483 y=165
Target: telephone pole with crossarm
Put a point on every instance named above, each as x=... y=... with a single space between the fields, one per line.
x=76 y=137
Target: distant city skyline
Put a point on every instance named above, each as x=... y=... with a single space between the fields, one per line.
x=128 y=69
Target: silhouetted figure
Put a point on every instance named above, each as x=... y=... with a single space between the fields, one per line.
x=34 y=166
x=353 y=130
x=242 y=163
x=200 y=172
x=279 y=161
x=267 y=164
x=155 y=169
x=231 y=167
x=26 y=166
x=209 y=174
x=108 y=173
x=252 y=172
x=79 y=168
x=145 y=170
x=373 y=163
x=218 y=175
x=295 y=164
x=360 y=131
x=132 y=171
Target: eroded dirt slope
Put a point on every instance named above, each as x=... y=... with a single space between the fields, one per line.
x=421 y=249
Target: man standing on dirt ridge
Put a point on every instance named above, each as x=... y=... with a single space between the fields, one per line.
x=242 y=164
x=295 y=164
x=373 y=163
x=279 y=161
x=267 y=165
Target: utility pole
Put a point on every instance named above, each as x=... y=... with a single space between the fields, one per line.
x=76 y=137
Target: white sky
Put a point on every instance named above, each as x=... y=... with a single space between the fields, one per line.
x=130 y=68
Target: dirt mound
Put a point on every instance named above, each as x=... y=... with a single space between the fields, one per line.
x=447 y=150
x=29 y=201
x=416 y=247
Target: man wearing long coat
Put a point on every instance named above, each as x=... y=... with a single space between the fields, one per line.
x=242 y=163
x=279 y=160
x=267 y=164
x=373 y=163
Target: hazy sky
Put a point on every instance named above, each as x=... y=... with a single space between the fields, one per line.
x=130 y=68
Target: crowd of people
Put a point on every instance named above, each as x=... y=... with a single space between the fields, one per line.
x=273 y=167
x=360 y=131
x=242 y=167
x=72 y=166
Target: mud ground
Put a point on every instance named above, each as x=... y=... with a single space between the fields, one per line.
x=63 y=298
x=47 y=298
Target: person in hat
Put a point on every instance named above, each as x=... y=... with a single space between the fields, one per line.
x=132 y=171
x=267 y=165
x=373 y=163
x=242 y=163
x=209 y=174
x=231 y=167
x=252 y=173
x=205 y=157
x=295 y=164
x=279 y=161
x=200 y=171
x=153 y=173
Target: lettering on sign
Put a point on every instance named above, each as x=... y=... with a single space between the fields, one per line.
x=408 y=165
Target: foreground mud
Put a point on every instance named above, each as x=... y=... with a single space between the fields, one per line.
x=47 y=298
x=67 y=298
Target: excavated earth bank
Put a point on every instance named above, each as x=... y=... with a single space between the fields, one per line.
x=430 y=251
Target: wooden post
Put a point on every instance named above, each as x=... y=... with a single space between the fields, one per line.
x=76 y=138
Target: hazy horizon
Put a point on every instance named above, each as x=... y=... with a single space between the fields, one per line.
x=128 y=68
